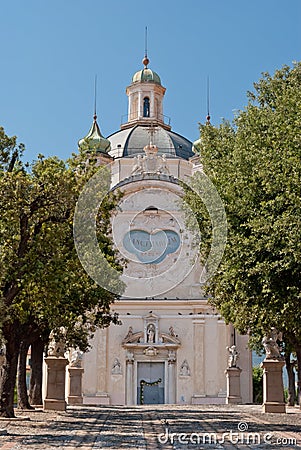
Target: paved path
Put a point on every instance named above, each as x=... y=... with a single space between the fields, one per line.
x=160 y=427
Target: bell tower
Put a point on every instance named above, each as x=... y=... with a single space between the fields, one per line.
x=145 y=99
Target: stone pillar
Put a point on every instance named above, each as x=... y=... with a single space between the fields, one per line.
x=55 y=383
x=233 y=385
x=199 y=360
x=75 y=393
x=273 y=395
x=140 y=106
x=102 y=367
x=171 y=378
x=130 y=382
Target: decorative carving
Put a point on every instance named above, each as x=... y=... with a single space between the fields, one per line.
x=56 y=346
x=185 y=369
x=163 y=168
x=233 y=356
x=130 y=357
x=138 y=165
x=171 y=331
x=172 y=356
x=76 y=358
x=270 y=344
x=132 y=337
x=116 y=368
x=151 y=162
x=150 y=351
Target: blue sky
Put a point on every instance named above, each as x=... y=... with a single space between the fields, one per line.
x=51 y=51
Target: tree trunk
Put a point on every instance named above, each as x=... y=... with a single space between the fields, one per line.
x=35 y=386
x=9 y=370
x=291 y=380
x=298 y=353
x=23 y=402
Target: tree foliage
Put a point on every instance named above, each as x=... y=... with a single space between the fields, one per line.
x=255 y=163
x=43 y=285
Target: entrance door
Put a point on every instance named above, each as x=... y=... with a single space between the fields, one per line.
x=150 y=383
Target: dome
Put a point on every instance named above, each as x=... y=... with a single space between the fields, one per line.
x=131 y=141
x=94 y=141
x=146 y=75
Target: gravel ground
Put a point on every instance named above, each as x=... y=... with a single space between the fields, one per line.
x=167 y=427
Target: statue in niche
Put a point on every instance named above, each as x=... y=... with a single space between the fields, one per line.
x=116 y=368
x=76 y=358
x=56 y=346
x=270 y=344
x=184 y=369
x=151 y=333
x=233 y=356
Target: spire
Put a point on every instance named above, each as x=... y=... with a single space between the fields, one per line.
x=95 y=88
x=94 y=142
x=208 y=109
x=145 y=60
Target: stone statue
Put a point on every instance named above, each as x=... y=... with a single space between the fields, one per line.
x=76 y=358
x=138 y=165
x=151 y=334
x=163 y=168
x=233 y=356
x=171 y=331
x=56 y=346
x=129 y=333
x=271 y=347
x=116 y=368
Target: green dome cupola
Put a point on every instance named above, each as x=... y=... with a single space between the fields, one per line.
x=94 y=142
x=146 y=75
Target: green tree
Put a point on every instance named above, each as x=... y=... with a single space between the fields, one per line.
x=255 y=163
x=43 y=285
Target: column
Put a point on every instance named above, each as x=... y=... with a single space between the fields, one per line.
x=140 y=106
x=130 y=378
x=101 y=367
x=199 y=356
x=171 y=378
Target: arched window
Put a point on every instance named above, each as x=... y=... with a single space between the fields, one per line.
x=146 y=107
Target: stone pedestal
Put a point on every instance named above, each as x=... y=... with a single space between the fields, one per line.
x=273 y=395
x=55 y=383
x=233 y=385
x=75 y=394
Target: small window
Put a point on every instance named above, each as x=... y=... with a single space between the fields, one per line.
x=146 y=107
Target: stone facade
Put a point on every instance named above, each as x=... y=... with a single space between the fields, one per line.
x=171 y=346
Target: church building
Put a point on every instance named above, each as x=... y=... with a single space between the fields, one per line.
x=171 y=346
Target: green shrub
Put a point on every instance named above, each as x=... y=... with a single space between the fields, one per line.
x=257 y=384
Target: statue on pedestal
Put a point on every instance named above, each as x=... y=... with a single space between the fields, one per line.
x=270 y=344
x=76 y=358
x=233 y=356
x=56 y=346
